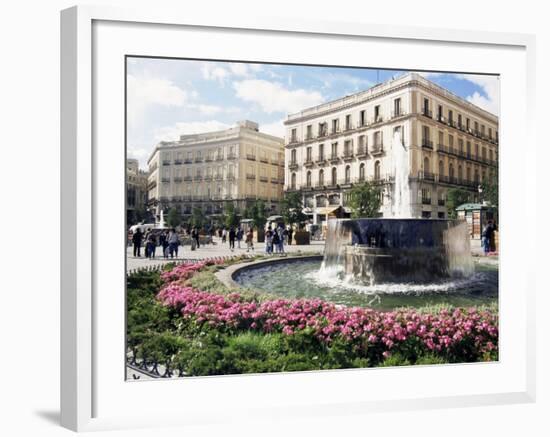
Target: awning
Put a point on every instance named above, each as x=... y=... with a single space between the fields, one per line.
x=326 y=210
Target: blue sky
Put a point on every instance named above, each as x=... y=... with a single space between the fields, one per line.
x=171 y=97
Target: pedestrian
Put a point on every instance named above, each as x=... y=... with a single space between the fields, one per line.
x=249 y=238
x=173 y=243
x=281 y=232
x=275 y=240
x=197 y=236
x=163 y=242
x=224 y=235
x=269 y=242
x=239 y=236
x=485 y=239
x=136 y=239
x=290 y=232
x=232 y=235
x=151 y=245
x=491 y=236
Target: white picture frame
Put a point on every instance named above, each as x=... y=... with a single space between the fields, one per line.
x=84 y=319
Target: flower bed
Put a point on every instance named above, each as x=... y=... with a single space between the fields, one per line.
x=460 y=335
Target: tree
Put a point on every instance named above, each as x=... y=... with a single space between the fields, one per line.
x=489 y=189
x=173 y=218
x=197 y=218
x=259 y=217
x=231 y=217
x=292 y=209
x=455 y=198
x=365 y=200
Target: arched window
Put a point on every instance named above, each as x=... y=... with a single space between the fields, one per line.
x=321 y=178
x=333 y=178
x=308 y=179
x=441 y=170
x=377 y=170
x=362 y=172
x=426 y=165
x=348 y=174
x=293 y=181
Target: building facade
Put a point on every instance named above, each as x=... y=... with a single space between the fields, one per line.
x=136 y=192
x=208 y=170
x=446 y=142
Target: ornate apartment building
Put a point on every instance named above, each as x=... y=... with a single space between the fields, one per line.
x=449 y=143
x=208 y=170
x=136 y=192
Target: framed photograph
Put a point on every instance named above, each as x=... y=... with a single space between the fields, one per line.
x=291 y=218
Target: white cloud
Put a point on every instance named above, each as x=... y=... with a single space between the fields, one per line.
x=214 y=109
x=490 y=86
x=213 y=72
x=330 y=79
x=239 y=69
x=276 y=128
x=274 y=97
x=172 y=133
x=144 y=92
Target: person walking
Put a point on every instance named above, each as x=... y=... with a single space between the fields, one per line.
x=151 y=245
x=485 y=239
x=136 y=240
x=196 y=236
x=290 y=232
x=275 y=241
x=239 y=236
x=281 y=232
x=224 y=235
x=269 y=241
x=491 y=236
x=173 y=243
x=249 y=238
x=163 y=242
x=232 y=235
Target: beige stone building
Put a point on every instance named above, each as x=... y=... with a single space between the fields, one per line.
x=136 y=192
x=208 y=170
x=408 y=127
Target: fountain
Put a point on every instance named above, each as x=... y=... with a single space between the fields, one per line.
x=400 y=249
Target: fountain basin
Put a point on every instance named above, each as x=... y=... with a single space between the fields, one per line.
x=397 y=250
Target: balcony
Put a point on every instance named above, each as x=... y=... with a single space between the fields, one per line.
x=198 y=159
x=377 y=149
x=208 y=178
x=323 y=133
x=460 y=127
x=275 y=180
x=321 y=160
x=218 y=177
x=231 y=156
x=345 y=182
x=250 y=157
x=293 y=140
x=308 y=163
x=334 y=158
x=230 y=177
x=426 y=175
x=426 y=201
x=427 y=113
x=264 y=178
x=178 y=179
x=208 y=159
x=361 y=152
x=188 y=161
x=377 y=119
x=452 y=123
x=348 y=127
x=264 y=160
x=427 y=144
x=219 y=158
x=165 y=179
x=165 y=162
x=347 y=156
x=250 y=176
x=198 y=178
x=187 y=178
x=178 y=162
x=293 y=165
x=397 y=113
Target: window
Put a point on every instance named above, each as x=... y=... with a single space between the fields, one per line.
x=348 y=174
x=476 y=175
x=398 y=131
x=451 y=170
x=333 y=176
x=426 y=167
x=490 y=133
x=397 y=107
x=468 y=174
x=321 y=178
x=459 y=120
x=334 y=151
x=440 y=112
x=362 y=172
x=483 y=129
x=476 y=127
x=347 y=148
x=361 y=144
x=491 y=155
x=461 y=145
x=293 y=156
x=308 y=179
x=460 y=174
x=378 y=139
x=321 y=152
x=451 y=141
x=477 y=150
x=293 y=138
x=308 y=154
x=309 y=130
x=377 y=116
x=426 y=107
x=293 y=181
x=468 y=149
x=362 y=118
x=426 y=196
x=441 y=168
x=450 y=117
x=440 y=139
x=348 y=122
x=322 y=129
x=468 y=124
x=377 y=170
x=484 y=153
x=334 y=125
x=426 y=136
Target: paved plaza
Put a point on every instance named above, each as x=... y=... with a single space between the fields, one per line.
x=215 y=250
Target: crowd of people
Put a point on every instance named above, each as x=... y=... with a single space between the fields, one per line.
x=488 y=240
x=169 y=240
